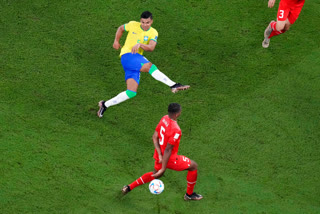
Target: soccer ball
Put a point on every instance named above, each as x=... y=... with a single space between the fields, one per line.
x=156 y=186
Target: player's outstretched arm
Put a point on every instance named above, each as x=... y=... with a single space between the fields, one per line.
x=149 y=47
x=166 y=156
x=155 y=139
x=271 y=3
x=116 y=43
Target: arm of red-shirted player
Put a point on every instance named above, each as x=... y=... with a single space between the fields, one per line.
x=166 y=156
x=155 y=139
x=271 y=3
x=149 y=47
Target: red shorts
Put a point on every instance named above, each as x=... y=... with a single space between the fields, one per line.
x=289 y=11
x=177 y=163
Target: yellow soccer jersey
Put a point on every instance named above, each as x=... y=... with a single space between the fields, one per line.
x=137 y=35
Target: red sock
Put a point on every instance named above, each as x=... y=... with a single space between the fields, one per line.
x=275 y=33
x=274 y=30
x=191 y=179
x=273 y=26
x=146 y=178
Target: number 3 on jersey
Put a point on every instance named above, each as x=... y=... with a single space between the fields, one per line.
x=281 y=14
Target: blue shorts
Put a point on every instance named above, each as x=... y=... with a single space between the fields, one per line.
x=132 y=64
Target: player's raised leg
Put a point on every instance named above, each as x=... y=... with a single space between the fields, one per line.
x=279 y=27
x=274 y=29
x=192 y=180
x=132 y=87
x=146 y=178
x=267 y=33
x=158 y=75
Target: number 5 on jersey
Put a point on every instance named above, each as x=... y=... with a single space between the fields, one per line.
x=162 y=131
x=185 y=159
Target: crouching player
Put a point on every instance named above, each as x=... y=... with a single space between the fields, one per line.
x=166 y=139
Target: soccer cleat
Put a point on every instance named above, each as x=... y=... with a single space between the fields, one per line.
x=193 y=196
x=102 y=108
x=179 y=87
x=267 y=33
x=266 y=43
x=125 y=189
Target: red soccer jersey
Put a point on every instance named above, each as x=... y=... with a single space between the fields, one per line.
x=168 y=132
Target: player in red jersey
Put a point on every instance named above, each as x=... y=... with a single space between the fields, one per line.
x=288 y=13
x=166 y=140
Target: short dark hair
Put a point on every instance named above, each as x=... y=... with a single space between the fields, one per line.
x=146 y=14
x=174 y=108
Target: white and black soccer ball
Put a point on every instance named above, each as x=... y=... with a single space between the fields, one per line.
x=156 y=186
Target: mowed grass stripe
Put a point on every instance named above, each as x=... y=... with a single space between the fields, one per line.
x=270 y=136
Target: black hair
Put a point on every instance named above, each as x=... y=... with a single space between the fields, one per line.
x=146 y=14
x=174 y=108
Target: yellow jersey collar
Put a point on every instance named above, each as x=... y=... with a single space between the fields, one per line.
x=144 y=30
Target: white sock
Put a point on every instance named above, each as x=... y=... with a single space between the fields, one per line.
x=158 y=75
x=117 y=99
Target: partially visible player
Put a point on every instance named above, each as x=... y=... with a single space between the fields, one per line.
x=141 y=37
x=166 y=140
x=288 y=13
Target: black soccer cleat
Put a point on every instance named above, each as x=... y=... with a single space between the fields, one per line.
x=179 y=87
x=125 y=189
x=193 y=196
x=102 y=108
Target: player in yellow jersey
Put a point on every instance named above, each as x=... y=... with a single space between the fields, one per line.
x=141 y=37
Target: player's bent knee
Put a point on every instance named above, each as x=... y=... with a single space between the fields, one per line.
x=146 y=67
x=193 y=166
x=280 y=26
x=287 y=27
x=131 y=94
x=149 y=65
x=152 y=69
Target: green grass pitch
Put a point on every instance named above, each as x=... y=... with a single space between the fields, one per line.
x=250 y=119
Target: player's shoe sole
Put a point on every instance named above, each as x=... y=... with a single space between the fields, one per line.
x=194 y=197
x=179 y=87
x=267 y=32
x=125 y=189
x=102 y=108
